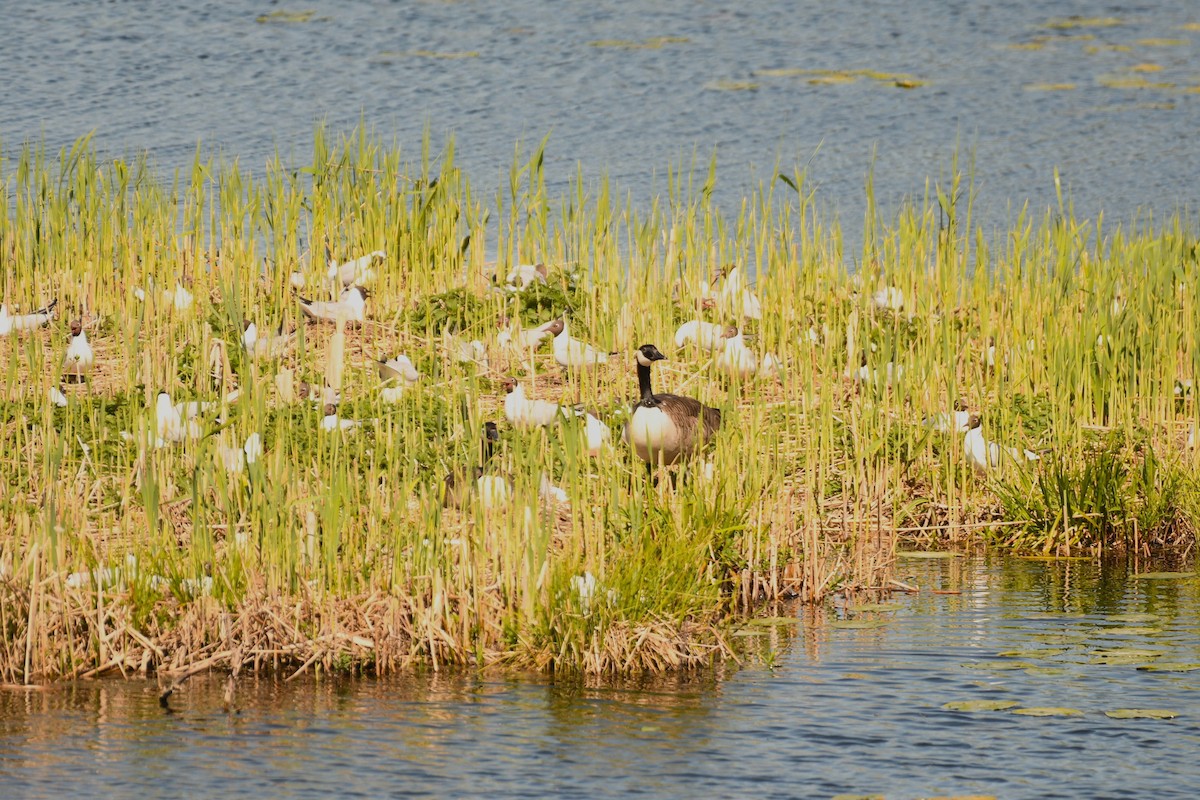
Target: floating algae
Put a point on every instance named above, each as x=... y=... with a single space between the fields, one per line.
x=1141 y=713
x=980 y=705
x=1048 y=711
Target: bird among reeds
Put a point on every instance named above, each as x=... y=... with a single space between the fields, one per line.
x=666 y=428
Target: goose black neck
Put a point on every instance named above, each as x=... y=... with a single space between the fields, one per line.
x=644 y=382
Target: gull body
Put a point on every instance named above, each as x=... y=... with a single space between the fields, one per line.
x=79 y=359
x=889 y=298
x=574 y=354
x=524 y=275
x=530 y=338
x=398 y=368
x=24 y=322
x=736 y=297
x=956 y=421
x=176 y=422
x=354 y=271
x=351 y=307
x=273 y=347
x=705 y=335
x=983 y=455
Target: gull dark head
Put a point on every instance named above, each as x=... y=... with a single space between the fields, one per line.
x=974 y=421
x=556 y=327
x=76 y=327
x=510 y=385
x=491 y=433
x=647 y=354
x=960 y=405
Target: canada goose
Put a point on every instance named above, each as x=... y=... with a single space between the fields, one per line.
x=273 y=347
x=355 y=271
x=735 y=296
x=79 y=358
x=983 y=455
x=351 y=306
x=24 y=322
x=705 y=335
x=493 y=490
x=574 y=354
x=956 y=421
x=663 y=428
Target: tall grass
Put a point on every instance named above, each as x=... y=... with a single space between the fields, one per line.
x=337 y=551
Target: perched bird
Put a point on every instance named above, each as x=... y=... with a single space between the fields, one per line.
x=705 y=335
x=493 y=491
x=319 y=395
x=176 y=422
x=664 y=428
x=735 y=296
x=464 y=351
x=956 y=421
x=736 y=359
x=529 y=338
x=235 y=459
x=351 y=306
x=356 y=271
x=25 y=322
x=523 y=275
x=274 y=347
x=296 y=279
x=524 y=413
x=57 y=397
x=77 y=363
x=399 y=368
x=888 y=374
x=983 y=455
x=398 y=374
x=889 y=298
x=332 y=422
x=574 y=354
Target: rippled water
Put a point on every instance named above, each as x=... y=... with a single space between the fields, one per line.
x=842 y=710
x=161 y=77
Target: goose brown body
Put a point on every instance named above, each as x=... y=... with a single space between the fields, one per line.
x=667 y=428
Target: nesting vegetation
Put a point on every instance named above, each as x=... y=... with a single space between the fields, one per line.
x=296 y=514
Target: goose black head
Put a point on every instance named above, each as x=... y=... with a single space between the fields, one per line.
x=648 y=354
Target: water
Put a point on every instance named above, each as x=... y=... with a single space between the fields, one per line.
x=842 y=711
x=163 y=77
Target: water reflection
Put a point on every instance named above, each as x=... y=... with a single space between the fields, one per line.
x=840 y=710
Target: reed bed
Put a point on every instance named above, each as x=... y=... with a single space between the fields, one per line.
x=335 y=550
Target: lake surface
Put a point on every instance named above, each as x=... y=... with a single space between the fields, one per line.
x=841 y=711
x=617 y=97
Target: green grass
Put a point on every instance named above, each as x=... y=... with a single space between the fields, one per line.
x=335 y=550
